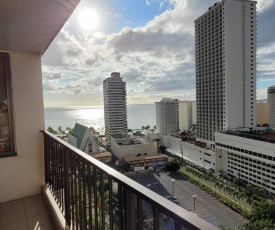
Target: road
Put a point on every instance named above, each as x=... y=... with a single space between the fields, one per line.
x=206 y=206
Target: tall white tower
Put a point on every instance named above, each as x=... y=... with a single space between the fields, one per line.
x=225 y=44
x=271 y=104
x=115 y=107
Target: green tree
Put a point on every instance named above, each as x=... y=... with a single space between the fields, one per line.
x=264 y=224
x=59 y=128
x=92 y=129
x=125 y=167
x=69 y=130
x=51 y=130
x=172 y=166
x=162 y=148
x=147 y=127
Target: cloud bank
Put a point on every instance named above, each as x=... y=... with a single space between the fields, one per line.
x=156 y=60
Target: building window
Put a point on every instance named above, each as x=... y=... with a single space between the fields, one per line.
x=6 y=126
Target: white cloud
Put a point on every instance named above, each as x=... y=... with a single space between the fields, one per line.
x=156 y=60
x=161 y=4
x=264 y=4
x=261 y=94
x=148 y=2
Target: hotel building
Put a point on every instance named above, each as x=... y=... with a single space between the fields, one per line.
x=248 y=156
x=167 y=116
x=225 y=45
x=115 y=107
x=271 y=101
x=187 y=115
x=262 y=112
x=174 y=116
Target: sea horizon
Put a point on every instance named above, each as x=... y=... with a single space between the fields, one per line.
x=138 y=115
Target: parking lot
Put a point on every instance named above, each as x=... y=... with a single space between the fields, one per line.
x=206 y=206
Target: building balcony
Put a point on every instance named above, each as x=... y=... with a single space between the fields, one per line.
x=83 y=193
x=25 y=213
x=79 y=191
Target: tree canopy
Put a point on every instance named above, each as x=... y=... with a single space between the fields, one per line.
x=162 y=148
x=172 y=166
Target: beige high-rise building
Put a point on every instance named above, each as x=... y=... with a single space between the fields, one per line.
x=262 y=113
x=225 y=45
x=271 y=102
x=187 y=115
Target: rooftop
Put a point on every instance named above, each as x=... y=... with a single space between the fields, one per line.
x=146 y=157
x=266 y=136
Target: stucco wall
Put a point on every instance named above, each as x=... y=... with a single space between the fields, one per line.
x=22 y=175
x=192 y=152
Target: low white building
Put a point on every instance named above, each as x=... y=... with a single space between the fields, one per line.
x=249 y=157
x=153 y=135
x=194 y=154
x=121 y=151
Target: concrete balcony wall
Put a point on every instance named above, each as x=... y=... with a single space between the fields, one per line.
x=22 y=175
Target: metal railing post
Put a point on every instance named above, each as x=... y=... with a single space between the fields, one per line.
x=130 y=218
x=67 y=187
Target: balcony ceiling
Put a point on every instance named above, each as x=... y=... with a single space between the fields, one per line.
x=29 y=26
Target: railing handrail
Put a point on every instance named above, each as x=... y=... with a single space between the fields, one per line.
x=176 y=212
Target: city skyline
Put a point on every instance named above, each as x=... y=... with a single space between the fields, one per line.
x=151 y=43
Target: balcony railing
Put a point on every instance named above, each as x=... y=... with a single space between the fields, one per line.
x=92 y=195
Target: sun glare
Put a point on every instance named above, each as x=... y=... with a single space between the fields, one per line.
x=88 y=19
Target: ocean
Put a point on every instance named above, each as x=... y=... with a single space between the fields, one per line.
x=138 y=115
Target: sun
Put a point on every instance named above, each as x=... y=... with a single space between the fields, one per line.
x=88 y=19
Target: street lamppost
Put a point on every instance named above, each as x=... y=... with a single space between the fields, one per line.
x=194 y=196
x=172 y=181
x=181 y=157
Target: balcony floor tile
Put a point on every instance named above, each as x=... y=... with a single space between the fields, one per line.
x=25 y=214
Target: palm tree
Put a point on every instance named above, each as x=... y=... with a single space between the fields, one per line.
x=60 y=129
x=230 y=191
x=206 y=177
x=216 y=183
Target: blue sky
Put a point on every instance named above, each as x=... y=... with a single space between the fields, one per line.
x=150 y=42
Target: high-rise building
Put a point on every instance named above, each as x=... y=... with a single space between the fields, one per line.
x=187 y=115
x=225 y=44
x=262 y=113
x=173 y=116
x=271 y=102
x=167 y=121
x=115 y=107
